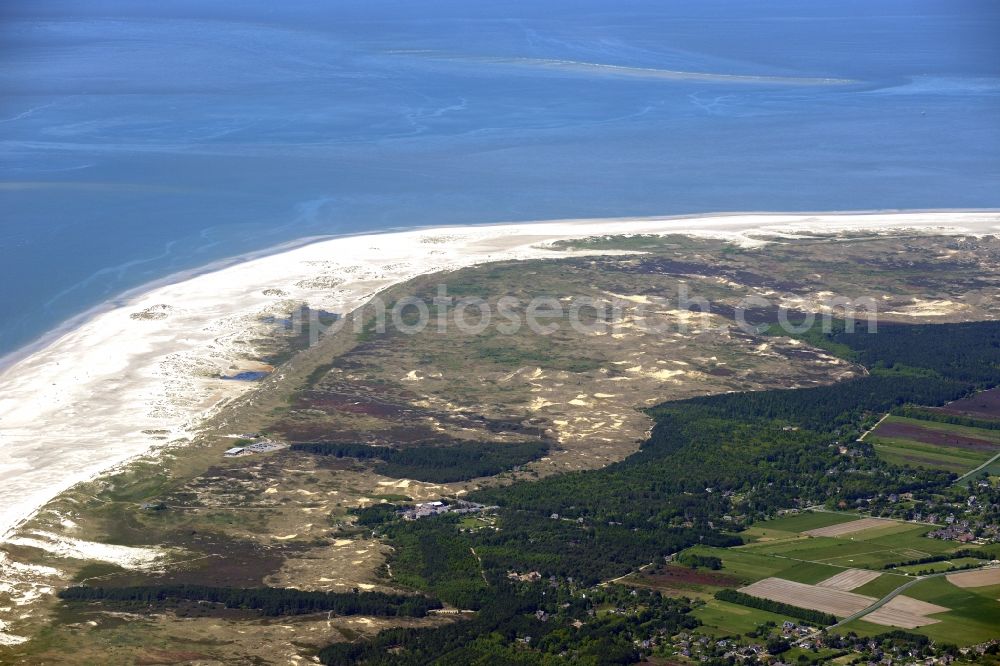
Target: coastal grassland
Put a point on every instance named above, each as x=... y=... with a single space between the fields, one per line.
x=583 y=390
x=91 y=636
x=898 y=269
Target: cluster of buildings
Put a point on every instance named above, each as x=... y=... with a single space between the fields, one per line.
x=262 y=446
x=696 y=647
x=958 y=531
x=438 y=507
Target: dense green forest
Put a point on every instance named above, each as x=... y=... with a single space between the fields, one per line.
x=435 y=463
x=270 y=601
x=432 y=555
x=710 y=466
x=586 y=552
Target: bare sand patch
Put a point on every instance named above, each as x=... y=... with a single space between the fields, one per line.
x=128 y=557
x=905 y=612
x=849 y=579
x=980 y=578
x=848 y=528
x=813 y=597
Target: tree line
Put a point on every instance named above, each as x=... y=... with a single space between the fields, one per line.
x=270 y=601
x=435 y=462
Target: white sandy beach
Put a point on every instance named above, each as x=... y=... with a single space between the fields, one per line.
x=118 y=385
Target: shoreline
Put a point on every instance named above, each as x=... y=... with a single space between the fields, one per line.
x=11 y=358
x=146 y=361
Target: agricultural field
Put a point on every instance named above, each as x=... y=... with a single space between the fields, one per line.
x=976 y=579
x=906 y=613
x=945 y=446
x=801 y=558
x=813 y=597
x=972 y=614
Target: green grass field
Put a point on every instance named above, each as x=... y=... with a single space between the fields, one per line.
x=809 y=573
x=720 y=618
x=881 y=586
x=747 y=566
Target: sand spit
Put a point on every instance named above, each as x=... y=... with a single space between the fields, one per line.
x=146 y=372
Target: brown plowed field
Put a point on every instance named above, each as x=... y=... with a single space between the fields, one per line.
x=975 y=578
x=905 y=612
x=824 y=599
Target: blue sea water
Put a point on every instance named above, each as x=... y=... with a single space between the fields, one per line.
x=138 y=139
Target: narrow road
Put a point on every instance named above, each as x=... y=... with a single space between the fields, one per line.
x=981 y=467
x=877 y=424
x=630 y=573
